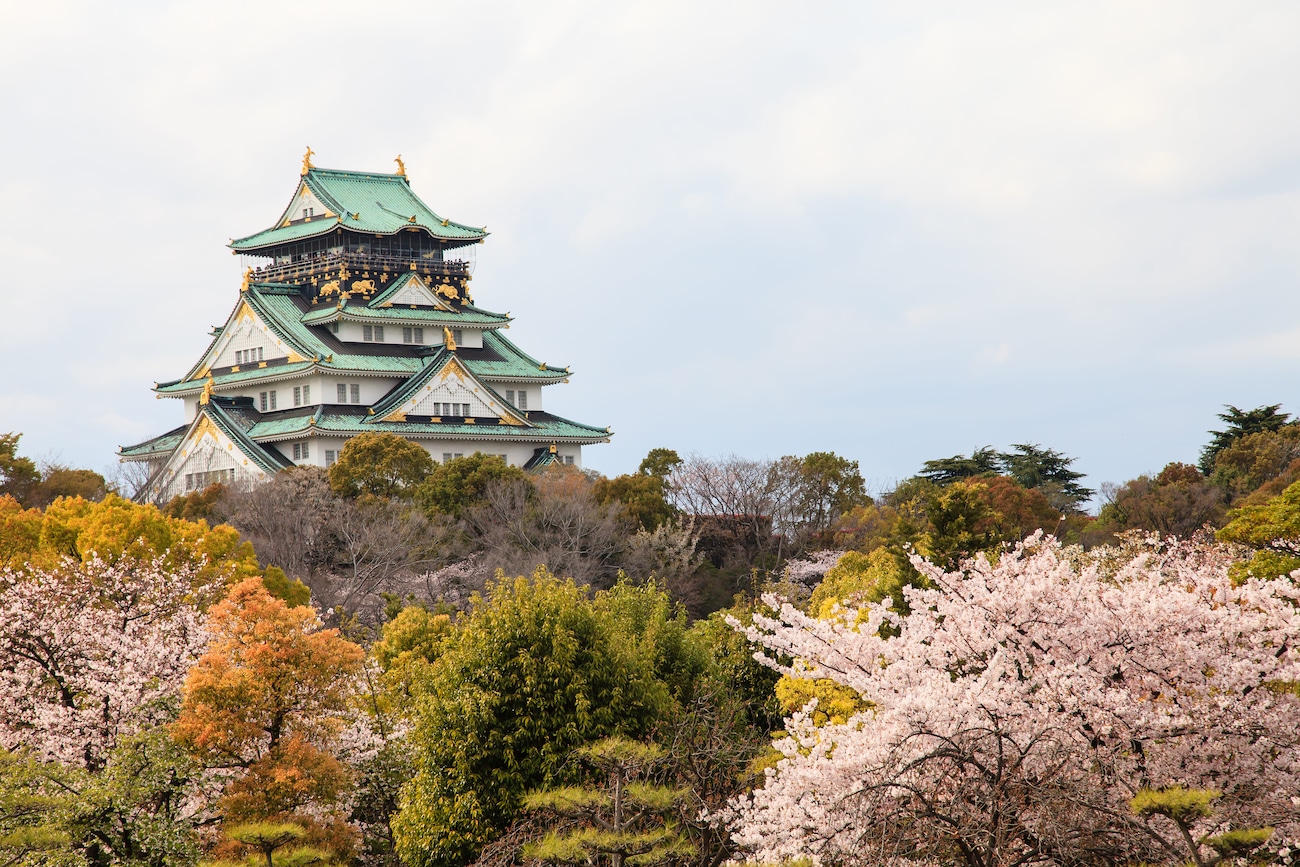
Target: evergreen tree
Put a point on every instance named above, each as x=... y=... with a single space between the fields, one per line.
x=1240 y=423
x=623 y=822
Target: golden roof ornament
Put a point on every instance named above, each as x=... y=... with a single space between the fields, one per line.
x=401 y=166
x=207 y=392
x=248 y=278
x=306 y=160
x=447 y=338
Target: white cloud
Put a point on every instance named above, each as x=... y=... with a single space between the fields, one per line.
x=896 y=201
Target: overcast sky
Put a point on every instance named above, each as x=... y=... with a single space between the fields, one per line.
x=750 y=228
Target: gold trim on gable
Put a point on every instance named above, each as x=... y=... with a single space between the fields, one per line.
x=205 y=426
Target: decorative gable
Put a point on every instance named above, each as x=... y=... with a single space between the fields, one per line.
x=245 y=341
x=306 y=206
x=205 y=456
x=414 y=292
x=453 y=391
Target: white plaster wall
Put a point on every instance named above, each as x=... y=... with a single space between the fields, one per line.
x=372 y=388
x=534 y=393
x=354 y=332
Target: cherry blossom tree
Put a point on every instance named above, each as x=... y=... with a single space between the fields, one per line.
x=1013 y=716
x=93 y=652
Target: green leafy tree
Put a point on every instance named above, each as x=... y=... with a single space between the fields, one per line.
x=533 y=671
x=453 y=487
x=829 y=487
x=32 y=798
x=659 y=463
x=18 y=476
x=380 y=464
x=624 y=821
x=641 y=496
x=1239 y=424
x=1272 y=530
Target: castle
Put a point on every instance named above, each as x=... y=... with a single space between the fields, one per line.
x=359 y=320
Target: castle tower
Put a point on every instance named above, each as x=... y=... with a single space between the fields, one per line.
x=358 y=319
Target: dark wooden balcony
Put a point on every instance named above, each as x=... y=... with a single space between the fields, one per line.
x=373 y=263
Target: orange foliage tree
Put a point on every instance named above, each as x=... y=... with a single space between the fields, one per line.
x=267 y=704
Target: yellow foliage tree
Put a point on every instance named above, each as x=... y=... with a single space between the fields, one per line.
x=113 y=529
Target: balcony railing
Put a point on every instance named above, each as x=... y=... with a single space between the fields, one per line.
x=310 y=266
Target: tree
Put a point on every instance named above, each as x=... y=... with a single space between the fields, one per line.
x=1265 y=461
x=1048 y=470
x=266 y=703
x=1176 y=502
x=380 y=464
x=944 y=471
x=625 y=821
x=533 y=671
x=1030 y=466
x=60 y=481
x=1272 y=529
x=820 y=487
x=553 y=521
x=1239 y=424
x=18 y=476
x=93 y=653
x=640 y=496
x=454 y=486
x=1017 y=709
x=116 y=530
x=659 y=463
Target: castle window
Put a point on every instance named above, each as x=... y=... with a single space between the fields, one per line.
x=343 y=393
x=413 y=335
x=306 y=394
x=297 y=452
x=367 y=333
x=297 y=401
x=419 y=335
x=330 y=457
x=446 y=456
x=261 y=402
x=458 y=336
x=355 y=392
x=272 y=400
x=379 y=334
x=523 y=399
x=568 y=459
x=334 y=327
x=308 y=213
x=510 y=398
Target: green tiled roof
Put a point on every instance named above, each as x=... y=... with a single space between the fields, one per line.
x=546 y=427
x=365 y=202
x=244 y=375
x=268 y=459
x=159 y=446
x=499 y=359
x=510 y=362
x=397 y=313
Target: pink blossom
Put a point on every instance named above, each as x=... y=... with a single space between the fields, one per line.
x=1019 y=707
x=90 y=653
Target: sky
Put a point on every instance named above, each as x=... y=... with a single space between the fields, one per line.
x=894 y=231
